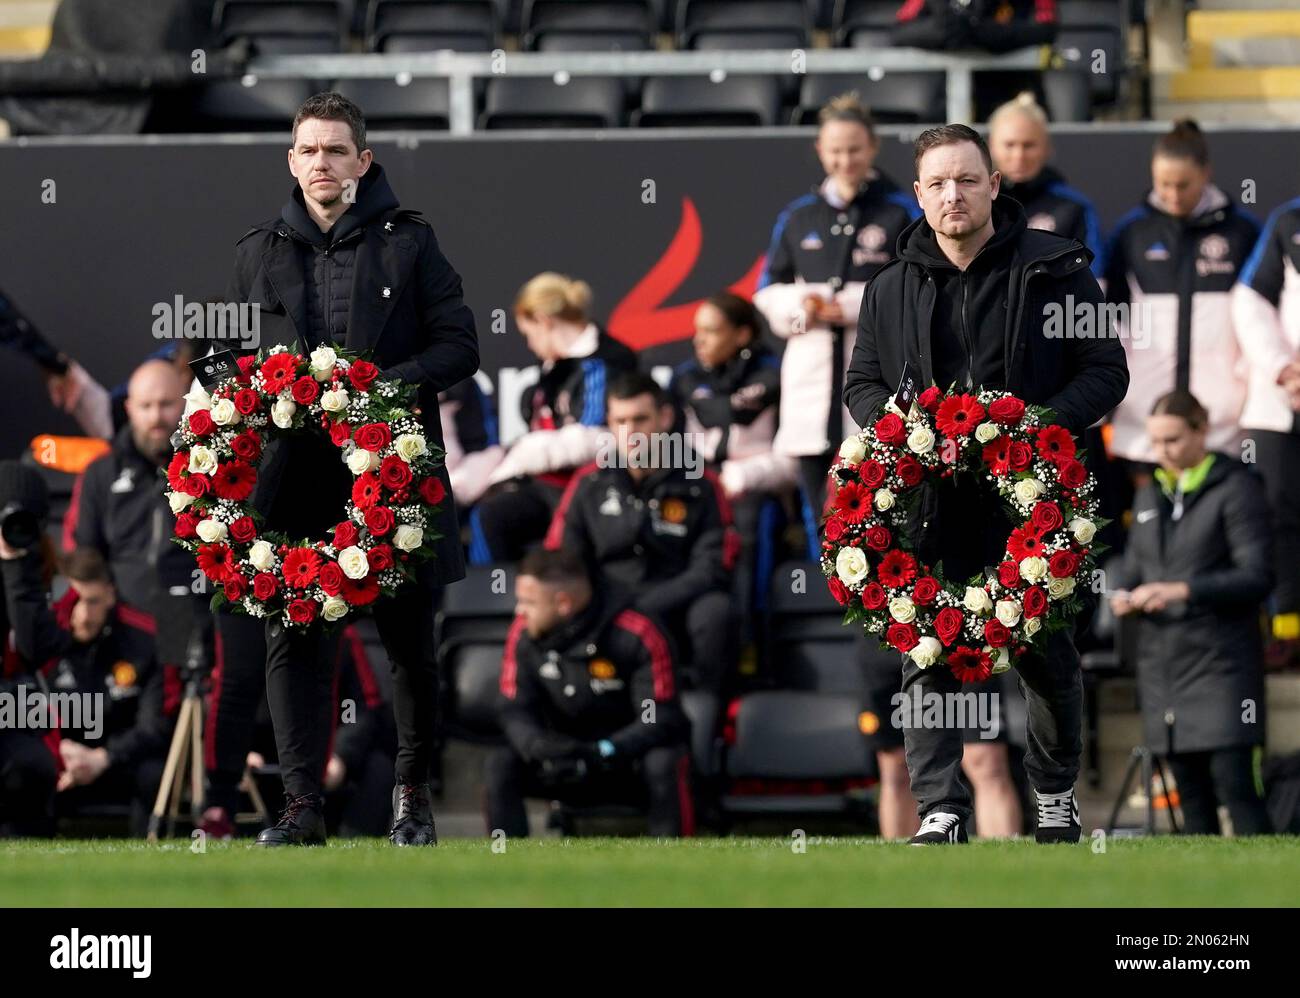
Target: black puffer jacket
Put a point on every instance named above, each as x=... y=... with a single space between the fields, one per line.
x=1199 y=662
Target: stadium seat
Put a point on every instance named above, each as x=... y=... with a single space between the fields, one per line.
x=430 y=25
x=776 y=19
x=470 y=632
x=540 y=102
x=587 y=17
x=668 y=101
x=1089 y=27
x=807 y=644
x=863 y=23
x=288 y=27
x=421 y=104
x=259 y=105
x=905 y=97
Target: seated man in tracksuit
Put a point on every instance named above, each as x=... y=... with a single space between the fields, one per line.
x=655 y=521
x=589 y=704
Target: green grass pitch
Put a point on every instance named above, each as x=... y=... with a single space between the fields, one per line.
x=1158 y=872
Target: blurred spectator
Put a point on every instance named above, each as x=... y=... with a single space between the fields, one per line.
x=657 y=524
x=1266 y=317
x=589 y=704
x=1197 y=567
x=1021 y=147
x=825 y=247
x=993 y=25
x=469 y=429
x=564 y=412
x=1171 y=263
x=728 y=395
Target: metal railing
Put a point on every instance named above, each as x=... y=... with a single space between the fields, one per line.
x=462 y=68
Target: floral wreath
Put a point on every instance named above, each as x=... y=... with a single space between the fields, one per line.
x=395 y=492
x=980 y=629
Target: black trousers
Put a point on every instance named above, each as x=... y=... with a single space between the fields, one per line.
x=1279 y=462
x=658 y=781
x=238 y=688
x=1226 y=776
x=300 y=671
x=1053 y=689
x=28 y=775
x=511 y=519
x=704 y=632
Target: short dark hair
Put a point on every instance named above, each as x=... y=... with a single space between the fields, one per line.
x=1184 y=141
x=332 y=106
x=1183 y=404
x=555 y=567
x=630 y=384
x=85 y=564
x=739 y=312
x=947 y=135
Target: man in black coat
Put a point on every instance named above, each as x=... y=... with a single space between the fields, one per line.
x=967 y=303
x=344 y=266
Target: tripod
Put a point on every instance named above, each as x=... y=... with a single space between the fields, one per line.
x=186 y=751
x=1143 y=760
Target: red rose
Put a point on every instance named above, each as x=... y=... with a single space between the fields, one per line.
x=1019 y=455
x=196 y=486
x=305 y=390
x=278 y=372
x=834 y=528
x=330 y=578
x=365 y=490
x=1035 y=601
x=201 y=423
x=380 y=557
x=909 y=470
x=243 y=530
x=339 y=433
x=265 y=585
x=1046 y=516
x=394 y=473
x=1009 y=574
x=247 y=446
x=902 y=636
x=947 y=624
x=890 y=429
x=373 y=436
x=302 y=611
x=872 y=473
x=236 y=587
x=246 y=364
x=300 y=567
x=345 y=535
x=379 y=520
x=839 y=590
x=996 y=633
x=432 y=491
x=246 y=401
x=1072 y=473
x=874 y=596
x=925 y=590
x=186 y=525
x=930 y=398
x=878 y=538
x=1063 y=564
x=360 y=592
x=1007 y=411
x=362 y=374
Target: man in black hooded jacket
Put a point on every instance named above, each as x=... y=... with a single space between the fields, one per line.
x=965 y=305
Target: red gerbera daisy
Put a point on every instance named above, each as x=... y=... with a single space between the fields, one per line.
x=958 y=415
x=997 y=455
x=365 y=490
x=1024 y=542
x=234 y=480
x=278 y=371
x=897 y=569
x=300 y=567
x=217 y=562
x=970 y=665
x=853 y=502
x=360 y=592
x=1055 y=444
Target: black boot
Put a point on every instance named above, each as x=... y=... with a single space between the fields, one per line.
x=413 y=816
x=302 y=823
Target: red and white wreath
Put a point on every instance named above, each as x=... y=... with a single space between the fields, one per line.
x=387 y=525
x=978 y=629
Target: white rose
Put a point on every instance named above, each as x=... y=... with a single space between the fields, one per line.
x=1032 y=626
x=224 y=412
x=1001 y=659
x=926 y=652
x=853 y=450
x=335 y=400
x=1008 y=611
x=197 y=398
x=282 y=413
x=1033 y=569
x=202 y=461
x=360 y=461
x=1059 y=588
x=178 y=501
x=1083 y=530
x=851 y=566
x=262 y=556
x=211 y=531
x=408 y=538
x=409 y=446
x=902 y=609
x=977 y=600
x=334 y=608
x=884 y=499
x=921 y=440
x=322 y=363
x=1028 y=490
x=986 y=432
x=354 y=563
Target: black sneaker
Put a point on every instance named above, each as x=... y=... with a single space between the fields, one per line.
x=413 y=816
x=302 y=823
x=1058 y=818
x=940 y=828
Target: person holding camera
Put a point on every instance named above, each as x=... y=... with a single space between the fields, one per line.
x=589 y=704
